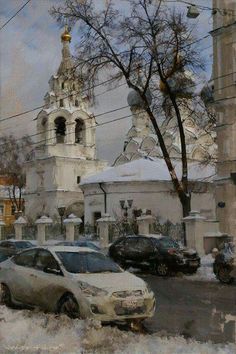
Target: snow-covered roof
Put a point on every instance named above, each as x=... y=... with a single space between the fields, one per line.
x=149 y=170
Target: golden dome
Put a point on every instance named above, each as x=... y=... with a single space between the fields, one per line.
x=66 y=35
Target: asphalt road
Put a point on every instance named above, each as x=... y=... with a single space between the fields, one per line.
x=200 y=310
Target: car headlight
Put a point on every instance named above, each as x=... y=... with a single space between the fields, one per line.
x=91 y=290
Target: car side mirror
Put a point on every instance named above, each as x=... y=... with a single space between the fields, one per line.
x=52 y=271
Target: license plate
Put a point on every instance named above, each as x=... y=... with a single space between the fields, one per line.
x=130 y=303
x=193 y=263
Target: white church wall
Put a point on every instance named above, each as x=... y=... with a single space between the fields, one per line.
x=157 y=196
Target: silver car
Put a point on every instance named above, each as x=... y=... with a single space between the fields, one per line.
x=77 y=281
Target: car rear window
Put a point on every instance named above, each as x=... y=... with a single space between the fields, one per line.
x=23 y=244
x=87 y=262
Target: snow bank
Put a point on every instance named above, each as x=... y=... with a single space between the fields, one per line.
x=35 y=332
x=205 y=272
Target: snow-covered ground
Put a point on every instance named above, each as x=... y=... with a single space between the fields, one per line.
x=23 y=331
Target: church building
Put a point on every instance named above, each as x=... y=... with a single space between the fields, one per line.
x=139 y=174
x=66 y=148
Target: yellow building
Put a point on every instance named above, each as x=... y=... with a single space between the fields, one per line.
x=7 y=211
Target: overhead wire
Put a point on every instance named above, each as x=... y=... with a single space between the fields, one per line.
x=104 y=82
x=115 y=110
x=127 y=106
x=202 y=7
x=15 y=14
x=69 y=133
x=94 y=86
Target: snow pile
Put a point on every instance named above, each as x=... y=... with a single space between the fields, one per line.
x=34 y=332
x=205 y=272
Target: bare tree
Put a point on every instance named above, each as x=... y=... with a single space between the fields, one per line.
x=13 y=154
x=151 y=47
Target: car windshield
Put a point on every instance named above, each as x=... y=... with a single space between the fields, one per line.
x=23 y=244
x=87 y=262
x=167 y=242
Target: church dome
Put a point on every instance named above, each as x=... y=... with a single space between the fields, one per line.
x=134 y=99
x=66 y=37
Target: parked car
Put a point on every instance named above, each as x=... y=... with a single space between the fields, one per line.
x=223 y=266
x=17 y=245
x=157 y=253
x=80 y=243
x=5 y=253
x=77 y=281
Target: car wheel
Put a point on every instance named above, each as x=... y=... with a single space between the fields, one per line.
x=136 y=325
x=224 y=275
x=5 y=295
x=192 y=270
x=162 y=269
x=69 y=306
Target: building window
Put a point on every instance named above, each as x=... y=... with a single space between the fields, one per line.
x=61 y=103
x=79 y=131
x=13 y=209
x=60 y=127
x=96 y=216
x=78 y=179
x=62 y=85
x=76 y=103
x=1 y=210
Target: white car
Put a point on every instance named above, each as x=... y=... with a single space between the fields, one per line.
x=79 y=282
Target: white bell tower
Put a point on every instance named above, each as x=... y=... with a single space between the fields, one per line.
x=66 y=149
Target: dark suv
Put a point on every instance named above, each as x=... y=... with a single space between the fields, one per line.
x=159 y=254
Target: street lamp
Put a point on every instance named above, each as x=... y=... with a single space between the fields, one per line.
x=193 y=11
x=61 y=212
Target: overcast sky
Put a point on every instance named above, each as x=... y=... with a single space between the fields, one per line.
x=30 y=52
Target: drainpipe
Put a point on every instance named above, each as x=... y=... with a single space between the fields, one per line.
x=105 y=197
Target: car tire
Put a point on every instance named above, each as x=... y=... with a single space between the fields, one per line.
x=162 y=269
x=192 y=270
x=5 y=295
x=224 y=275
x=69 y=306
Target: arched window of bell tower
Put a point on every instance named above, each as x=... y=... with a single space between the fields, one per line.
x=79 y=131
x=60 y=127
x=76 y=103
